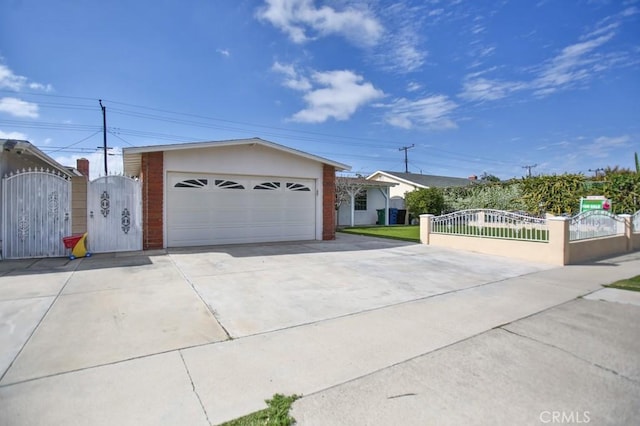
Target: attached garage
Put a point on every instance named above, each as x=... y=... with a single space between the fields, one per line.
x=205 y=209
x=229 y=192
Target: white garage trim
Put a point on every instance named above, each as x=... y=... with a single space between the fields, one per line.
x=213 y=209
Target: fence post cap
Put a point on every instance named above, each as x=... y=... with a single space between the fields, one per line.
x=427 y=215
x=560 y=218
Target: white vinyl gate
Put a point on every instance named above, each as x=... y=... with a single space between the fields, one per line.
x=114 y=214
x=36 y=214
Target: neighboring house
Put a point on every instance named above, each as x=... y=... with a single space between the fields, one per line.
x=407 y=182
x=25 y=210
x=364 y=210
x=234 y=191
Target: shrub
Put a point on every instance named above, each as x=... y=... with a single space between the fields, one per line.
x=425 y=200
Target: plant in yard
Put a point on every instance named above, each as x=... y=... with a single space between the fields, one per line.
x=555 y=194
x=498 y=196
x=276 y=413
x=623 y=189
x=424 y=200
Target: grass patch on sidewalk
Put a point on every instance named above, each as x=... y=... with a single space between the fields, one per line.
x=276 y=413
x=395 y=232
x=632 y=284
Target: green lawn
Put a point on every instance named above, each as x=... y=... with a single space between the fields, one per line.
x=632 y=284
x=276 y=413
x=396 y=232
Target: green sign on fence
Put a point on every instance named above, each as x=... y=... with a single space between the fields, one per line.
x=594 y=203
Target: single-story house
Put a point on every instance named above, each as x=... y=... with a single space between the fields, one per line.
x=407 y=182
x=232 y=191
x=362 y=209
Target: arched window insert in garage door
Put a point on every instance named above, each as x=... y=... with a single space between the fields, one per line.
x=192 y=183
x=269 y=186
x=292 y=186
x=228 y=184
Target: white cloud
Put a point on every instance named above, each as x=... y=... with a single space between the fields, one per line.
x=432 y=112
x=293 y=80
x=413 y=86
x=96 y=161
x=224 y=52
x=18 y=107
x=572 y=65
x=333 y=94
x=9 y=80
x=483 y=89
x=576 y=64
x=400 y=50
x=13 y=135
x=601 y=146
x=303 y=21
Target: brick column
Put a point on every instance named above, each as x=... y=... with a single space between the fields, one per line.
x=152 y=176
x=328 y=202
x=82 y=164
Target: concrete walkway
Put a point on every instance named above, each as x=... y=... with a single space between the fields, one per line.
x=503 y=350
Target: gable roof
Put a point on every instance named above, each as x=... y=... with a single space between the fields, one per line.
x=31 y=157
x=367 y=182
x=424 y=181
x=132 y=156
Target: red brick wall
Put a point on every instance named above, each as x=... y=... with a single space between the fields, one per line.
x=328 y=202
x=152 y=176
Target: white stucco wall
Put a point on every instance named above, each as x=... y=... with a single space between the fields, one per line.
x=375 y=200
x=252 y=160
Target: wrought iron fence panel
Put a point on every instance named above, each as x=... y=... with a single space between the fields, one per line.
x=595 y=224
x=490 y=223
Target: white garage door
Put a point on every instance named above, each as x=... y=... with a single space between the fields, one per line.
x=206 y=209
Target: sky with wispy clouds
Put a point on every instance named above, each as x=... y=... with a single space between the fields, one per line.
x=475 y=86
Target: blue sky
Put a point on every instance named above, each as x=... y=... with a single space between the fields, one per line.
x=476 y=86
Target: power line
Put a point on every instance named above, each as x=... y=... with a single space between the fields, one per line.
x=529 y=168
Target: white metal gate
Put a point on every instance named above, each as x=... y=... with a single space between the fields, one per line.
x=114 y=214
x=36 y=214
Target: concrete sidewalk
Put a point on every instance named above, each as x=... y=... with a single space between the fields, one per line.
x=454 y=351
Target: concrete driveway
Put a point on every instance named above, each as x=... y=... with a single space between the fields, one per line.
x=144 y=338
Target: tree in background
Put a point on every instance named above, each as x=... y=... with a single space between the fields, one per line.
x=347 y=189
x=424 y=200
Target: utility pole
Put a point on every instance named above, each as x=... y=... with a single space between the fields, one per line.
x=529 y=169
x=406 y=159
x=104 y=134
x=596 y=171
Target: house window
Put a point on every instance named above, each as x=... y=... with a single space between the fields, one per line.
x=360 y=201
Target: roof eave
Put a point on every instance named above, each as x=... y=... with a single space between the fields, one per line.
x=132 y=156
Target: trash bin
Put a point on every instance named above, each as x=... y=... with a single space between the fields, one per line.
x=402 y=215
x=393 y=216
x=77 y=244
x=381 y=217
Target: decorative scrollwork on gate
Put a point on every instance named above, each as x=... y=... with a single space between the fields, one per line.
x=53 y=203
x=23 y=228
x=126 y=220
x=105 y=204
